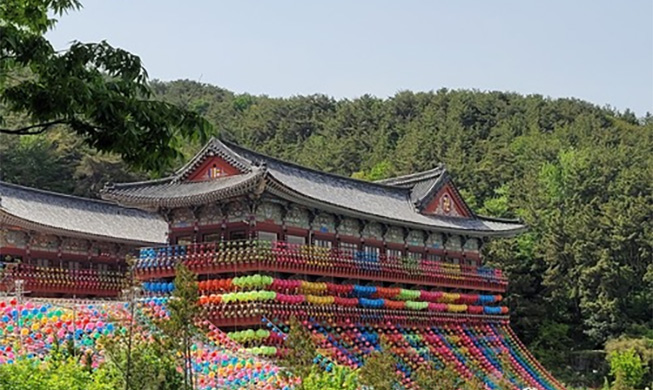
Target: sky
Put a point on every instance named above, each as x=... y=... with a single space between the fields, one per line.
x=599 y=51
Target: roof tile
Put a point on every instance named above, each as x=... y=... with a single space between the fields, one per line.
x=81 y=215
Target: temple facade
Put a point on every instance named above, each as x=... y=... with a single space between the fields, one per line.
x=66 y=246
x=356 y=262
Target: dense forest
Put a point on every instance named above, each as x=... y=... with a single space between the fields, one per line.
x=579 y=175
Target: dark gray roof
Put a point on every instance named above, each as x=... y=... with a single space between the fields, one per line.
x=172 y=192
x=393 y=200
x=412 y=179
x=421 y=184
x=377 y=199
x=425 y=185
x=71 y=215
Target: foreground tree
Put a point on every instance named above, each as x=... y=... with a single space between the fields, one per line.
x=380 y=369
x=630 y=362
x=428 y=377
x=67 y=374
x=151 y=365
x=336 y=378
x=627 y=349
x=301 y=351
x=181 y=327
x=99 y=91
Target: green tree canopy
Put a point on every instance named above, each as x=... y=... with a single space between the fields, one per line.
x=579 y=175
x=98 y=91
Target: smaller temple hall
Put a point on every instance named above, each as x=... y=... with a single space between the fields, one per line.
x=67 y=246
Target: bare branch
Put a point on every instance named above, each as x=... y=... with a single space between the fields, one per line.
x=38 y=128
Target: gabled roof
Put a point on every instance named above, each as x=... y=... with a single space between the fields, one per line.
x=425 y=185
x=413 y=179
x=212 y=148
x=67 y=215
x=392 y=202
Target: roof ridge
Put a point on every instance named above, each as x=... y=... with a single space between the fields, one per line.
x=176 y=176
x=214 y=145
x=136 y=183
x=417 y=176
x=190 y=163
x=230 y=144
x=61 y=195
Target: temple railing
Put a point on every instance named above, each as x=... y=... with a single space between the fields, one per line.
x=252 y=313
x=252 y=255
x=263 y=288
x=55 y=280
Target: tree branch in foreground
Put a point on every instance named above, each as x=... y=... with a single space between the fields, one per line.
x=38 y=128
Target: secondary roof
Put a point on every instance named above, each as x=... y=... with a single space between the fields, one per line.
x=30 y=208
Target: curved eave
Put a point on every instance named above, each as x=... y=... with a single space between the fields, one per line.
x=499 y=219
x=281 y=190
x=13 y=220
x=414 y=178
x=507 y=233
x=154 y=203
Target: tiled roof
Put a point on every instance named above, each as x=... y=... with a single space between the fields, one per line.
x=71 y=215
x=171 y=192
x=411 y=179
x=392 y=200
x=382 y=200
x=421 y=184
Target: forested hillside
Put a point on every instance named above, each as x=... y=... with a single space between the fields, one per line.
x=579 y=175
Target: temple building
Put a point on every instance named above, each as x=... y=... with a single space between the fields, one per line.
x=66 y=246
x=356 y=262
